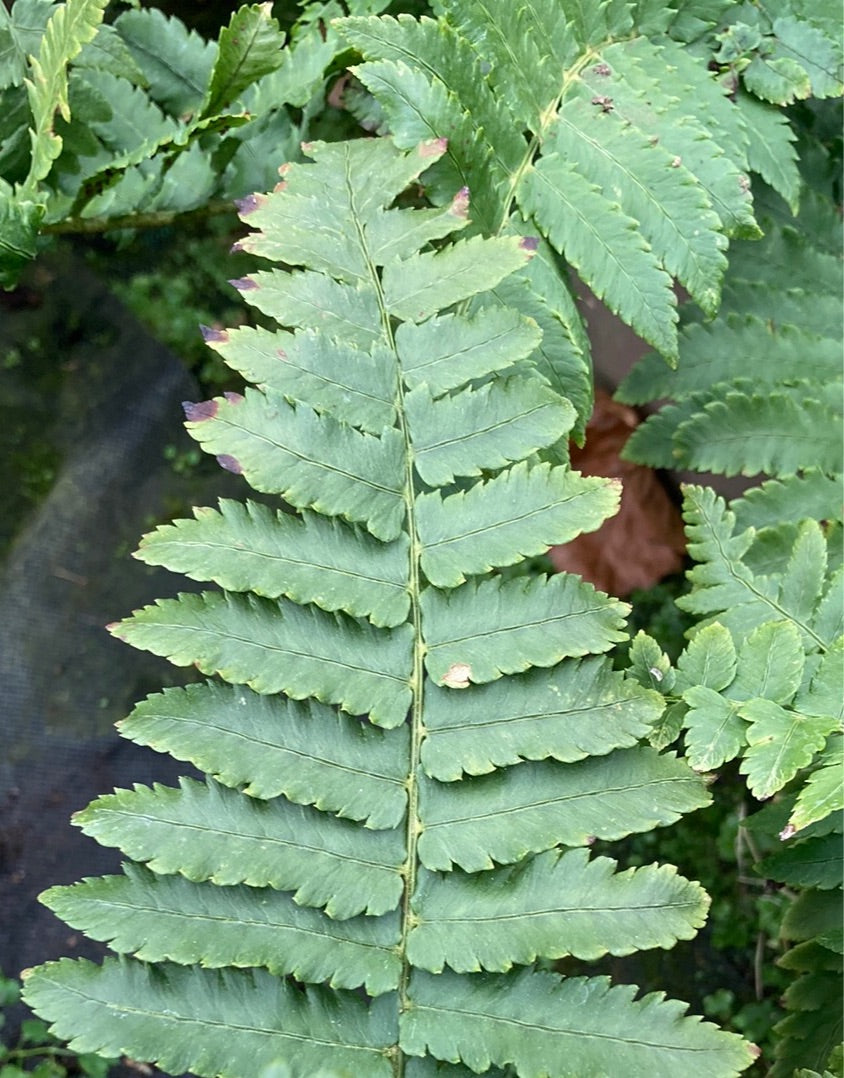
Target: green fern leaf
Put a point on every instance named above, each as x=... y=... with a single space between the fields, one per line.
x=504 y=421
x=215 y=1021
x=262 y=843
x=390 y=728
x=249 y=47
x=815 y=862
x=70 y=26
x=823 y=793
x=176 y=62
x=309 y=558
x=547 y=804
x=809 y=495
x=582 y=709
x=722 y=581
x=446 y=352
x=366 y=492
x=780 y=743
x=497 y=627
x=604 y=246
x=256 y=642
x=550 y=911
x=21 y=30
x=777 y=435
x=532 y=1021
x=517 y=514
x=770 y=149
x=310 y=754
x=144 y=914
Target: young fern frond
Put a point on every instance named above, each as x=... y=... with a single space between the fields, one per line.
x=407 y=754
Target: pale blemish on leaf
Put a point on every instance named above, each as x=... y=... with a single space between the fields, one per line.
x=457 y=676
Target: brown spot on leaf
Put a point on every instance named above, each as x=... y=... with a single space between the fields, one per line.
x=195 y=413
x=434 y=147
x=213 y=336
x=605 y=102
x=457 y=676
x=230 y=464
x=460 y=203
x=233 y=398
x=602 y=69
x=529 y=243
x=248 y=205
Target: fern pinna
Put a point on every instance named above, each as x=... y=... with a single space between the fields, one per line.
x=408 y=753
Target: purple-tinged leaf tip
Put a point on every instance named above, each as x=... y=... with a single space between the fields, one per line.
x=460 y=203
x=233 y=398
x=247 y=205
x=243 y=284
x=213 y=336
x=236 y=247
x=434 y=147
x=230 y=464
x=529 y=243
x=195 y=413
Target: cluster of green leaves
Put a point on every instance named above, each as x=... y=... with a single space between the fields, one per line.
x=411 y=755
x=137 y=120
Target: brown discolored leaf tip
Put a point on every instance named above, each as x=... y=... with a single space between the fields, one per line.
x=460 y=203
x=213 y=336
x=789 y=831
x=243 y=284
x=113 y=627
x=195 y=413
x=529 y=244
x=233 y=398
x=434 y=147
x=230 y=464
x=248 y=205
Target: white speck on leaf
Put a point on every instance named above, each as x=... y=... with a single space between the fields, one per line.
x=457 y=676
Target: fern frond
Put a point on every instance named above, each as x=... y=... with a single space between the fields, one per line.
x=70 y=26
x=628 y=187
x=391 y=728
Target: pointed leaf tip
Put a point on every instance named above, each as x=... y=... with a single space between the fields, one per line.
x=233 y=398
x=243 y=284
x=195 y=413
x=230 y=464
x=247 y=205
x=211 y=335
x=529 y=243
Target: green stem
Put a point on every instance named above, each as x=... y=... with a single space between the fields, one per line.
x=87 y=226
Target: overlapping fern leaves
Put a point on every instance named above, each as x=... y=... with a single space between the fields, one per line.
x=407 y=754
